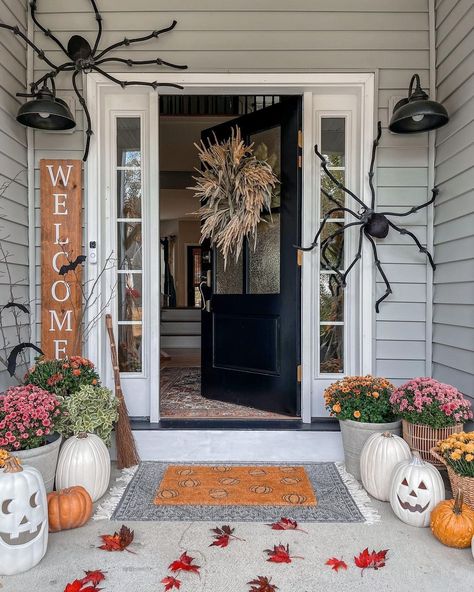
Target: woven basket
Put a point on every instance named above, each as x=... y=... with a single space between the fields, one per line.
x=423 y=438
x=465 y=484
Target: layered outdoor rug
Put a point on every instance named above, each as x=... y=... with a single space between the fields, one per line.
x=180 y=396
x=332 y=495
x=199 y=485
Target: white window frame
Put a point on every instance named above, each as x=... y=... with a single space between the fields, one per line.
x=310 y=85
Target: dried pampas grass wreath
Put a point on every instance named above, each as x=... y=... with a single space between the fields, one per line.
x=235 y=189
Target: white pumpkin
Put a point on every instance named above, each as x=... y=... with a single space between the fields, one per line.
x=84 y=460
x=380 y=454
x=23 y=518
x=417 y=488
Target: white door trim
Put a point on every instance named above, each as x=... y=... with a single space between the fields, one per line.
x=363 y=84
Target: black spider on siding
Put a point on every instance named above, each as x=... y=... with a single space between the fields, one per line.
x=372 y=224
x=84 y=58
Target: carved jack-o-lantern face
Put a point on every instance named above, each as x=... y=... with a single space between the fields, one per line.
x=23 y=518
x=416 y=488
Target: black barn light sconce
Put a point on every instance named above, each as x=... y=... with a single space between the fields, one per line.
x=417 y=113
x=45 y=111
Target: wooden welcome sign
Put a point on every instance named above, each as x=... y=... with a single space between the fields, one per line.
x=61 y=226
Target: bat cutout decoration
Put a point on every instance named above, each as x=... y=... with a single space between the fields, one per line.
x=82 y=57
x=12 y=358
x=372 y=225
x=72 y=265
x=22 y=307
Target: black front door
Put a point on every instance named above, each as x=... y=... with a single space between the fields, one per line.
x=251 y=313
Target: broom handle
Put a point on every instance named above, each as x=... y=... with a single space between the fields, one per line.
x=113 y=355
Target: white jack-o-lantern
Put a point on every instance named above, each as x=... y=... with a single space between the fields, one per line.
x=381 y=453
x=417 y=488
x=23 y=518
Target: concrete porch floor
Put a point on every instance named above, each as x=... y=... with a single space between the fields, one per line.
x=416 y=560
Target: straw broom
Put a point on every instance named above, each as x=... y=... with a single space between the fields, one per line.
x=127 y=455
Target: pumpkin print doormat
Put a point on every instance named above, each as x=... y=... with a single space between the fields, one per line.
x=234 y=486
x=310 y=492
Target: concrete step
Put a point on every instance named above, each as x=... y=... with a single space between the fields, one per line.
x=180 y=328
x=248 y=445
x=180 y=341
x=181 y=314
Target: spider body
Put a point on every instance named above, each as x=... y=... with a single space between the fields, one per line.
x=86 y=58
x=372 y=224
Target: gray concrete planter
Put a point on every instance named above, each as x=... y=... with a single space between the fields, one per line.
x=354 y=436
x=43 y=458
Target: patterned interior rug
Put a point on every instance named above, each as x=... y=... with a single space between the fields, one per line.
x=235 y=485
x=180 y=396
x=340 y=498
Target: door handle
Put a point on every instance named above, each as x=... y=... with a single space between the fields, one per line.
x=206 y=303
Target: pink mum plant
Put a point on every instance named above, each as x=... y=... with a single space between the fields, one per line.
x=429 y=402
x=27 y=416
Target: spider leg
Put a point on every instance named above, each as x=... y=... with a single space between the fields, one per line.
x=331 y=198
x=87 y=114
x=372 y=164
x=388 y=289
x=417 y=242
x=434 y=193
x=63 y=68
x=124 y=83
x=325 y=245
x=356 y=258
x=324 y=166
x=323 y=223
x=47 y=32
x=157 y=61
x=98 y=18
x=40 y=53
x=127 y=42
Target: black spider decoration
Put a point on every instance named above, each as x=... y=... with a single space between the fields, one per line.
x=372 y=224
x=84 y=58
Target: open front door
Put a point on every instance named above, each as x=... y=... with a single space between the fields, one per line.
x=251 y=313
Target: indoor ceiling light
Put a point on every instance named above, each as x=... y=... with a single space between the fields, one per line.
x=417 y=113
x=46 y=112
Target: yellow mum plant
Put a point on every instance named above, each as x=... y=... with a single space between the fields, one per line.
x=458 y=451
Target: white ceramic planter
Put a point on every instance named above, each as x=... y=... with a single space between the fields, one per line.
x=84 y=460
x=354 y=436
x=44 y=459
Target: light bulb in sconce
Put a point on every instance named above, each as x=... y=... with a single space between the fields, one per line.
x=44 y=115
x=417 y=117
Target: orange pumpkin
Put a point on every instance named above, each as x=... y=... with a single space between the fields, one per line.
x=69 y=508
x=452 y=522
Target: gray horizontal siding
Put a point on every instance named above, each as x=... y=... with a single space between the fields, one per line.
x=391 y=39
x=13 y=164
x=453 y=314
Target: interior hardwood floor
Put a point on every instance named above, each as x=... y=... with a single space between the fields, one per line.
x=182 y=358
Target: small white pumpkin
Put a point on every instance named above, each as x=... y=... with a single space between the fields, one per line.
x=84 y=460
x=417 y=488
x=380 y=454
x=23 y=518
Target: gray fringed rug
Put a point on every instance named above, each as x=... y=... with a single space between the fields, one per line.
x=340 y=499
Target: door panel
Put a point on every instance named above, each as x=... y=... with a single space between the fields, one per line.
x=251 y=318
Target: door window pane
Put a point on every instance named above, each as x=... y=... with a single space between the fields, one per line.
x=130 y=348
x=130 y=296
x=229 y=278
x=128 y=142
x=331 y=293
x=129 y=245
x=267 y=146
x=264 y=261
x=129 y=194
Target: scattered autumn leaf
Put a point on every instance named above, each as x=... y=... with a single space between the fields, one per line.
x=223 y=536
x=280 y=554
x=87 y=584
x=374 y=560
x=184 y=563
x=286 y=524
x=262 y=584
x=94 y=577
x=336 y=564
x=119 y=541
x=170 y=583
x=75 y=586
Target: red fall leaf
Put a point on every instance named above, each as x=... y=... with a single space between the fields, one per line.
x=88 y=584
x=75 y=586
x=170 y=583
x=374 y=560
x=262 y=584
x=286 y=524
x=184 y=563
x=94 y=577
x=223 y=536
x=280 y=554
x=119 y=541
x=336 y=564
